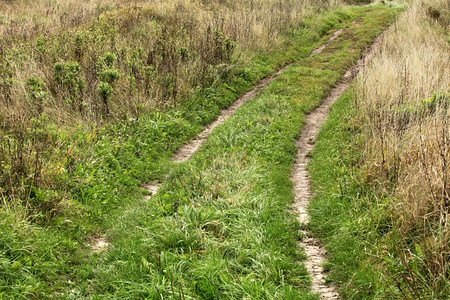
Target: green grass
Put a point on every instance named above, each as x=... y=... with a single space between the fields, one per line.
x=219 y=227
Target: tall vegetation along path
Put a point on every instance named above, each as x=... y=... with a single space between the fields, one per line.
x=186 y=151
x=305 y=144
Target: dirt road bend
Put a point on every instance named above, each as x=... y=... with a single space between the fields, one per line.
x=186 y=151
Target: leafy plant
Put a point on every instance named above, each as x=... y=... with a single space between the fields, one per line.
x=36 y=94
x=68 y=75
x=108 y=76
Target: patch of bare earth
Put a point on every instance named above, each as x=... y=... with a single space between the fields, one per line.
x=186 y=151
x=316 y=254
x=152 y=188
x=99 y=244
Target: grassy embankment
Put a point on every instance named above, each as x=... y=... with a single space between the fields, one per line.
x=44 y=244
x=380 y=167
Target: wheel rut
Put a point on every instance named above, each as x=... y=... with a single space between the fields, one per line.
x=316 y=254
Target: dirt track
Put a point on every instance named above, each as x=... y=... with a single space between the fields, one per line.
x=186 y=151
x=314 y=121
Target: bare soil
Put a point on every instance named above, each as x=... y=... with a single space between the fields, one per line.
x=152 y=188
x=99 y=244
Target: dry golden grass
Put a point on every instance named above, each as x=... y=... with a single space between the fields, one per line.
x=404 y=99
x=163 y=50
x=26 y=18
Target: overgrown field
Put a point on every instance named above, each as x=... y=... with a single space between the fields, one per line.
x=385 y=221
x=141 y=81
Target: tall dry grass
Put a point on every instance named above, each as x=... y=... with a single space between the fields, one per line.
x=160 y=51
x=404 y=99
x=25 y=19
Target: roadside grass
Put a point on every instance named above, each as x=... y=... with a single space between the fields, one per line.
x=354 y=222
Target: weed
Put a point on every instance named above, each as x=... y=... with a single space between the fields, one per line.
x=37 y=95
x=68 y=76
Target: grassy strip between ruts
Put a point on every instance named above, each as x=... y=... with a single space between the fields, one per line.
x=218 y=227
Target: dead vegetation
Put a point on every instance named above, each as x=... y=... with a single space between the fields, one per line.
x=403 y=98
x=99 y=59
